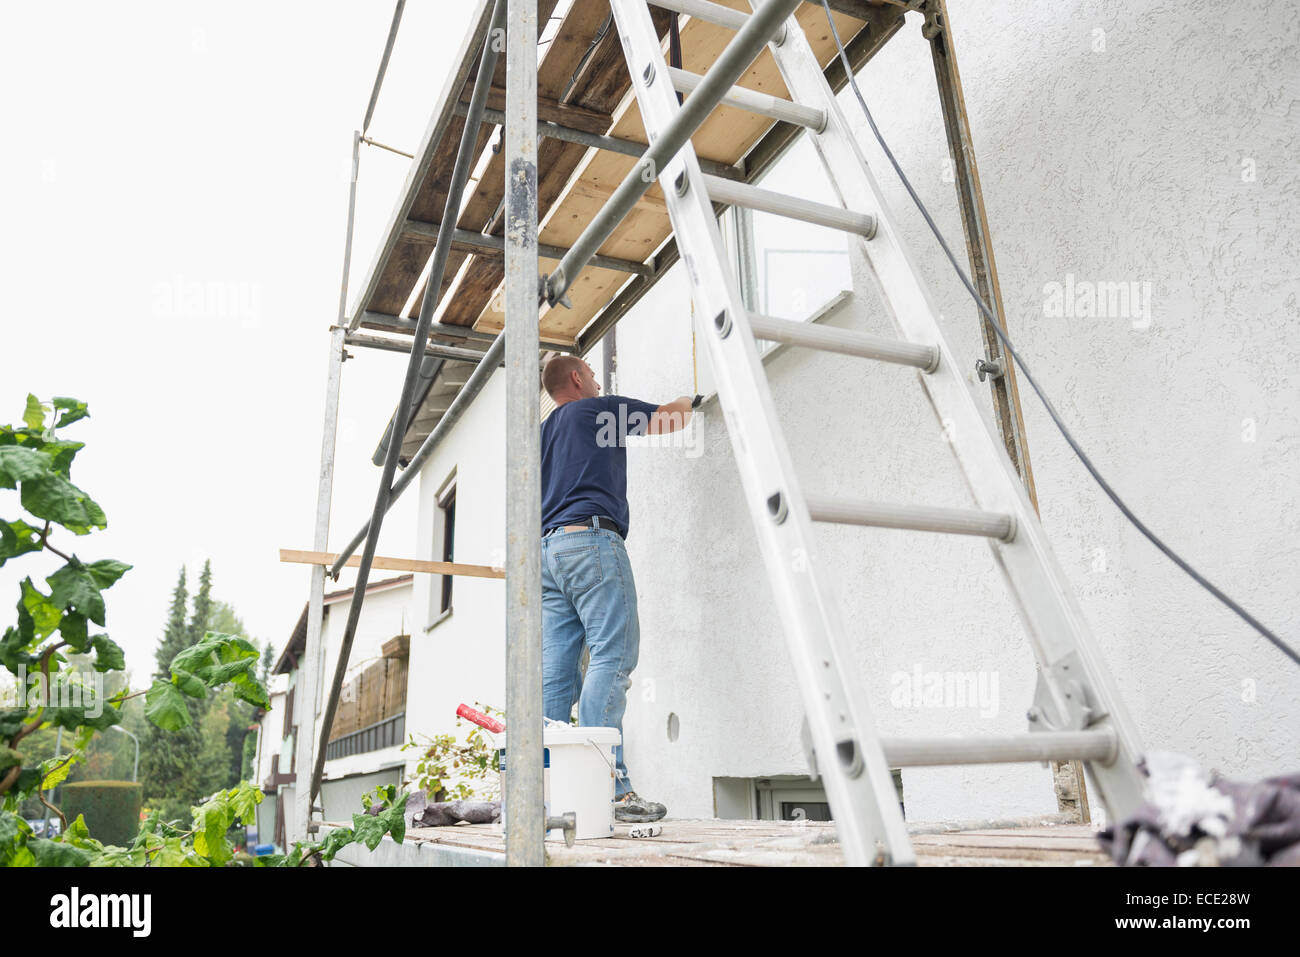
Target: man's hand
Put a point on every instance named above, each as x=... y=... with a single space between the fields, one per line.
x=672 y=416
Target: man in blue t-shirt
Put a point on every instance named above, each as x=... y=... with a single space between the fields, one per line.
x=588 y=594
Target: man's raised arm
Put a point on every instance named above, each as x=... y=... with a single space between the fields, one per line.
x=673 y=416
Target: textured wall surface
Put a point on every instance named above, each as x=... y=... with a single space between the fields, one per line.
x=1149 y=143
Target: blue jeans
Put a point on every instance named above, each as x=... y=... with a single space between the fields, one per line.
x=588 y=595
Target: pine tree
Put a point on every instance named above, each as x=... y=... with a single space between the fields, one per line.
x=202 y=614
x=167 y=757
x=174 y=639
x=211 y=770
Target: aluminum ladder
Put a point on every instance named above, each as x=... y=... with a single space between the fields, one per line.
x=1076 y=712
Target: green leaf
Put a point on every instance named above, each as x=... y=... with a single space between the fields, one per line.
x=14 y=645
x=53 y=497
x=108 y=654
x=270 y=860
x=34 y=415
x=211 y=821
x=57 y=854
x=395 y=817
x=19 y=464
x=74 y=585
x=336 y=840
x=8 y=758
x=72 y=410
x=244 y=801
x=72 y=629
x=189 y=684
x=165 y=706
x=14 y=834
x=370 y=829
x=11 y=719
x=54 y=771
x=107 y=570
x=42 y=609
x=247 y=688
x=62 y=452
x=17 y=538
x=79 y=716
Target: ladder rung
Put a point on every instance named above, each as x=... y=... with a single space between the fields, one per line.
x=752 y=197
x=704 y=10
x=764 y=104
x=920 y=518
x=1100 y=745
x=845 y=341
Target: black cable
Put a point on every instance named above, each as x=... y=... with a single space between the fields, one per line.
x=1051 y=410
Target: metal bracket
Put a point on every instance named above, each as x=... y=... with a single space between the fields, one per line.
x=568 y=822
x=994 y=369
x=545 y=293
x=934 y=24
x=1065 y=703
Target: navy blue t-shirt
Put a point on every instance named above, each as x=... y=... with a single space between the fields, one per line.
x=584 y=458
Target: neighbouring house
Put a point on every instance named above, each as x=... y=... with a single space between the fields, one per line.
x=363 y=751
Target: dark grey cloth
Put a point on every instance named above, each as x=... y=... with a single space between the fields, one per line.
x=1263 y=828
x=420 y=812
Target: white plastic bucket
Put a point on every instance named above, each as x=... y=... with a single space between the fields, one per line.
x=577 y=775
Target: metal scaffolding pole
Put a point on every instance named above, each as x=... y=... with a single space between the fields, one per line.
x=451 y=209
x=525 y=824
x=309 y=672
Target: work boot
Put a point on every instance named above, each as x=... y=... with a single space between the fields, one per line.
x=633 y=809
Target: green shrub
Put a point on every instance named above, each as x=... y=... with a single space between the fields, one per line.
x=111 y=808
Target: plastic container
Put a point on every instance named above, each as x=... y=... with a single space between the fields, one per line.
x=577 y=775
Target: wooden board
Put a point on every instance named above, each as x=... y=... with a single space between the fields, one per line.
x=713 y=843
x=300 y=557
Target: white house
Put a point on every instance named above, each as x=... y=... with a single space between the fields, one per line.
x=364 y=748
x=1138 y=170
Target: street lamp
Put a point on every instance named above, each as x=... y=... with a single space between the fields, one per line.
x=135 y=771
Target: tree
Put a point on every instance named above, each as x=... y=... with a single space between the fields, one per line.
x=212 y=769
x=174 y=640
x=224 y=619
x=202 y=614
x=167 y=758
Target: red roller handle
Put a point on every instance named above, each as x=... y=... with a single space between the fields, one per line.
x=480 y=719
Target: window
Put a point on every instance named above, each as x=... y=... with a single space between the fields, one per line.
x=785 y=798
x=442 y=548
x=448 y=507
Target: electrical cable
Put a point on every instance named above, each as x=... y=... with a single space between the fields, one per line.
x=1051 y=410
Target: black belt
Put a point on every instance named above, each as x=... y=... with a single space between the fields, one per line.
x=605 y=522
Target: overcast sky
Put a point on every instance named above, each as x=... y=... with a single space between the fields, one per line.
x=174 y=206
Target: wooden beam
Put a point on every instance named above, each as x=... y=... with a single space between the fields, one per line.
x=566 y=114
x=395 y=564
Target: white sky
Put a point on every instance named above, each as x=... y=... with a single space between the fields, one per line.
x=174 y=206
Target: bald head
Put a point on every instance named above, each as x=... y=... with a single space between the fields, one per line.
x=566 y=378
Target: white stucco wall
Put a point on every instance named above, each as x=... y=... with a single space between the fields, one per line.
x=461 y=658
x=1124 y=155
